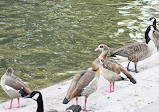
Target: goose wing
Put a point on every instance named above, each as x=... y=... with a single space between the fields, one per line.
x=80 y=81
x=17 y=84
x=117 y=68
x=112 y=67
x=130 y=49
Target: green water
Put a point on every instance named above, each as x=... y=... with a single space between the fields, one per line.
x=47 y=41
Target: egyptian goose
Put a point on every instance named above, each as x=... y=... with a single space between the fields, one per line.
x=85 y=82
x=13 y=86
x=37 y=96
x=137 y=51
x=112 y=70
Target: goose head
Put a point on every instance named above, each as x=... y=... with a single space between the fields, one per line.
x=10 y=71
x=35 y=95
x=102 y=47
x=152 y=19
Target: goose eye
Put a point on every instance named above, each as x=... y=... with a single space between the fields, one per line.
x=101 y=46
x=102 y=60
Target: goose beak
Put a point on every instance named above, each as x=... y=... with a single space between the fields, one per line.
x=96 y=49
x=65 y=101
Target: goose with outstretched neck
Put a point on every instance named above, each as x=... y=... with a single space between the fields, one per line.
x=13 y=86
x=85 y=82
x=37 y=96
x=113 y=71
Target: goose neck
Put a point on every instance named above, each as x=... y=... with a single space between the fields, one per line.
x=40 y=107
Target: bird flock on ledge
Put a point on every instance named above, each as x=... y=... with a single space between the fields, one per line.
x=85 y=82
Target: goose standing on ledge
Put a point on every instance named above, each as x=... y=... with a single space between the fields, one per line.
x=155 y=38
x=37 y=96
x=155 y=34
x=85 y=82
x=14 y=87
x=112 y=70
x=137 y=51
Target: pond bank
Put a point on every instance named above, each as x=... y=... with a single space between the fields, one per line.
x=126 y=98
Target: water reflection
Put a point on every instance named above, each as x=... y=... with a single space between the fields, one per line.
x=48 y=41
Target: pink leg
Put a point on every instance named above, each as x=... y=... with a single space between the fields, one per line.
x=76 y=100
x=17 y=106
x=108 y=91
x=113 y=87
x=85 y=105
x=10 y=105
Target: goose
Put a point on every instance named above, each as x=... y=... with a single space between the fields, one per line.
x=85 y=82
x=155 y=36
x=37 y=96
x=13 y=86
x=113 y=71
x=137 y=51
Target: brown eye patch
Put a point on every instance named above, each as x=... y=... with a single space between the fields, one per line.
x=101 y=46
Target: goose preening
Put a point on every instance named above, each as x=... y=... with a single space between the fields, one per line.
x=112 y=70
x=37 y=96
x=85 y=82
x=13 y=86
x=137 y=51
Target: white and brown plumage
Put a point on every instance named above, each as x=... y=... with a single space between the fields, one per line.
x=84 y=83
x=14 y=86
x=112 y=70
x=137 y=51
